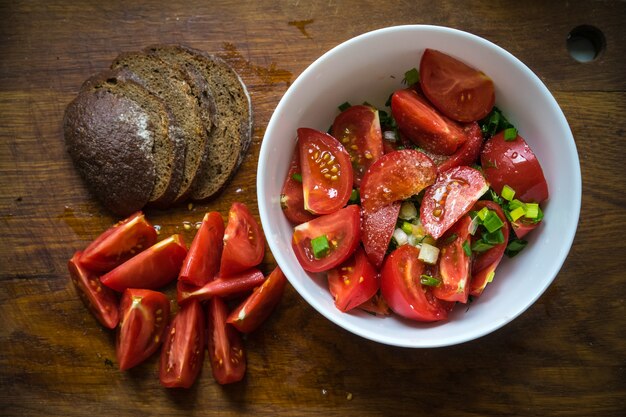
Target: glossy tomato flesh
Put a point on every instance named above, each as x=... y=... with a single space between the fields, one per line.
x=376 y=230
x=100 y=300
x=144 y=317
x=202 y=262
x=353 y=282
x=292 y=195
x=234 y=285
x=450 y=197
x=467 y=154
x=327 y=175
x=244 y=242
x=255 y=309
x=454 y=263
x=226 y=353
x=459 y=91
x=151 y=269
x=342 y=230
x=401 y=287
x=182 y=354
x=358 y=129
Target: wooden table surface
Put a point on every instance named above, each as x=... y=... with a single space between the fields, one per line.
x=566 y=355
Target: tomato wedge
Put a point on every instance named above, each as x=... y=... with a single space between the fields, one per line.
x=202 y=262
x=467 y=154
x=400 y=286
x=182 y=354
x=250 y=314
x=228 y=360
x=151 y=269
x=119 y=243
x=454 y=263
x=396 y=176
x=353 y=282
x=358 y=129
x=376 y=230
x=485 y=264
x=452 y=196
x=513 y=163
x=237 y=284
x=144 y=317
x=244 y=242
x=522 y=226
x=423 y=124
x=376 y=305
x=459 y=91
x=326 y=171
x=340 y=230
x=292 y=195
x=100 y=300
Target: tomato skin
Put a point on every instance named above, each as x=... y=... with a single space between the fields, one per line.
x=513 y=163
x=448 y=199
x=423 y=124
x=151 y=269
x=376 y=305
x=144 y=317
x=353 y=282
x=342 y=227
x=244 y=242
x=237 y=284
x=119 y=243
x=396 y=176
x=101 y=301
x=226 y=353
x=292 y=195
x=467 y=154
x=400 y=286
x=454 y=264
x=376 y=230
x=327 y=174
x=202 y=262
x=459 y=91
x=358 y=129
x=485 y=263
x=522 y=227
x=250 y=314
x=182 y=354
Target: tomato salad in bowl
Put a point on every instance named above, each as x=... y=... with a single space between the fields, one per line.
x=410 y=202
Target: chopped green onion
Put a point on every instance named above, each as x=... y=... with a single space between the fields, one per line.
x=429 y=280
x=407 y=211
x=297 y=176
x=354 y=197
x=493 y=123
x=515 y=204
x=492 y=221
x=407 y=228
x=514 y=247
x=508 y=193
x=466 y=248
x=474 y=223
x=482 y=214
x=428 y=253
x=320 y=246
x=450 y=239
x=490 y=276
x=517 y=213
x=480 y=246
x=400 y=237
x=510 y=134
x=493 y=238
x=532 y=210
x=344 y=106
x=495 y=197
x=412 y=76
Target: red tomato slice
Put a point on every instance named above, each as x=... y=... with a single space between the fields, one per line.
x=144 y=317
x=513 y=163
x=237 y=284
x=396 y=176
x=326 y=171
x=376 y=305
x=358 y=129
x=182 y=354
x=353 y=282
x=485 y=263
x=244 y=242
x=454 y=263
x=228 y=360
x=343 y=233
x=119 y=243
x=376 y=231
x=101 y=301
x=292 y=195
x=423 y=124
x=151 y=269
x=401 y=287
x=250 y=314
x=467 y=154
x=452 y=196
x=522 y=226
x=202 y=262
x=459 y=91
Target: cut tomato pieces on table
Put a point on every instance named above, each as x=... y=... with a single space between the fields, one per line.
x=202 y=262
x=354 y=282
x=244 y=242
x=234 y=285
x=226 y=350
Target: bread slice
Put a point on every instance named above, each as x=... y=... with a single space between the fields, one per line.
x=171 y=84
x=231 y=135
x=111 y=137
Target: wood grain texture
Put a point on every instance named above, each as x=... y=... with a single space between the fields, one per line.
x=565 y=356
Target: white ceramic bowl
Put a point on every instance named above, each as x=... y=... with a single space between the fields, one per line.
x=368 y=68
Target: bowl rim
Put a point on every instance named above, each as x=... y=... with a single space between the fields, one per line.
x=567 y=239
